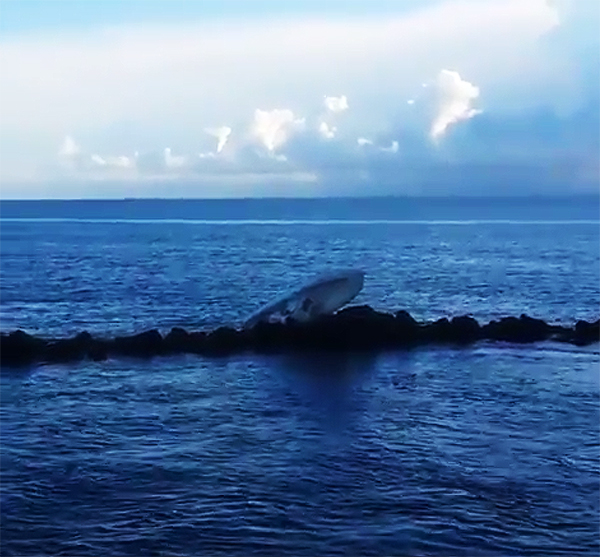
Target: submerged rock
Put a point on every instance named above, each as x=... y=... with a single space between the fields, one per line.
x=358 y=328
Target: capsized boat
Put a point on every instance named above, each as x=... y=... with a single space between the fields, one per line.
x=322 y=296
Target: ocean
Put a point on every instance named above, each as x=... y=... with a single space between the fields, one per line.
x=491 y=449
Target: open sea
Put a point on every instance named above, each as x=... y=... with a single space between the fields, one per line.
x=492 y=449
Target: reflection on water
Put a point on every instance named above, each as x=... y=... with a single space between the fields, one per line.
x=403 y=453
x=331 y=385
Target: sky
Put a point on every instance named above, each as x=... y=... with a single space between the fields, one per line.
x=106 y=99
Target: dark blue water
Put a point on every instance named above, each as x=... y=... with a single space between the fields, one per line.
x=487 y=450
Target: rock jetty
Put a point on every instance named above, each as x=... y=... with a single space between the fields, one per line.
x=353 y=329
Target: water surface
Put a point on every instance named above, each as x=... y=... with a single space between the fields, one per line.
x=486 y=450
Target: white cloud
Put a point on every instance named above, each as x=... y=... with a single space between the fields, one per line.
x=455 y=102
x=209 y=155
x=336 y=104
x=77 y=163
x=174 y=79
x=274 y=127
x=333 y=106
x=163 y=71
x=69 y=148
x=119 y=161
x=327 y=131
x=174 y=161
x=371 y=146
x=393 y=148
x=222 y=134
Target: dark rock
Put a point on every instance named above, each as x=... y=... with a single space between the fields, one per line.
x=465 y=329
x=95 y=349
x=176 y=341
x=196 y=342
x=586 y=333
x=224 y=340
x=179 y=341
x=460 y=330
x=98 y=351
x=536 y=328
x=407 y=328
x=358 y=312
x=331 y=332
x=78 y=348
x=274 y=337
x=359 y=328
x=405 y=319
x=522 y=330
x=438 y=331
x=19 y=348
x=560 y=333
x=66 y=350
x=149 y=343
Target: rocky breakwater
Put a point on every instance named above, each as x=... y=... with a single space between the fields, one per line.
x=358 y=328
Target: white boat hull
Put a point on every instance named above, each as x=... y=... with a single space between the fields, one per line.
x=321 y=297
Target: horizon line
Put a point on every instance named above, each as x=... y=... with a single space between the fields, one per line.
x=287 y=222
x=320 y=198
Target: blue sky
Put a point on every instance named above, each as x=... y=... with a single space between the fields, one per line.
x=222 y=99
x=34 y=15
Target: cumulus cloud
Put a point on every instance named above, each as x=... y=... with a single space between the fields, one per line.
x=336 y=104
x=455 y=98
x=180 y=78
x=222 y=134
x=80 y=163
x=388 y=156
x=274 y=127
x=327 y=131
x=333 y=105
